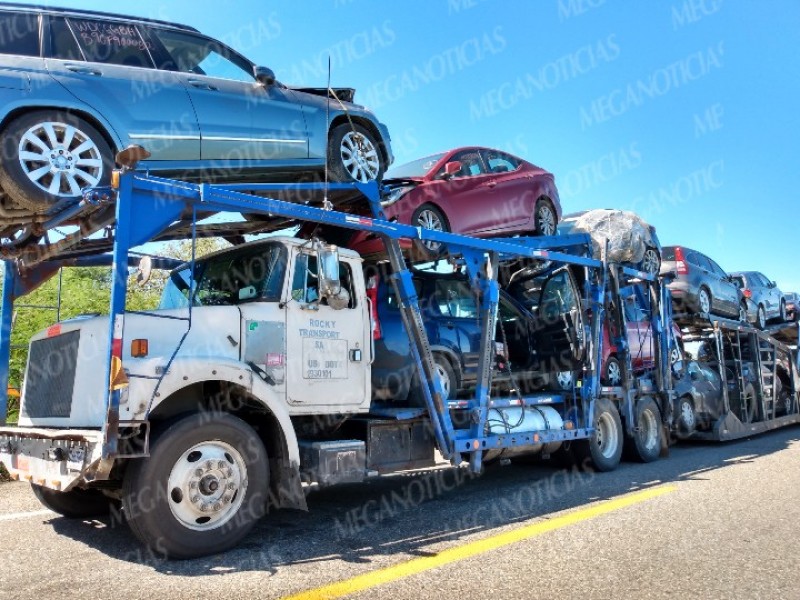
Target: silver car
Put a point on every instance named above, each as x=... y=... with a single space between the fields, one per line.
x=764 y=300
x=78 y=86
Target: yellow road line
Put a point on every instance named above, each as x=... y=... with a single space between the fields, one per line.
x=468 y=550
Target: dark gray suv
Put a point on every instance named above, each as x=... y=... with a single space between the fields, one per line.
x=699 y=285
x=78 y=86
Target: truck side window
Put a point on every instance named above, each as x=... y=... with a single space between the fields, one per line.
x=304 y=281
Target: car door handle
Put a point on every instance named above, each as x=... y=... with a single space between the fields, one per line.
x=490 y=184
x=201 y=85
x=83 y=70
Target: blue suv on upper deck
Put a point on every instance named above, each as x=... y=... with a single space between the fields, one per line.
x=78 y=86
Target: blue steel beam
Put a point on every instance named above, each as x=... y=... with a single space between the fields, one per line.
x=6 y=313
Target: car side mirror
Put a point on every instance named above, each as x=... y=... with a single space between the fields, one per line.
x=451 y=168
x=773 y=284
x=264 y=75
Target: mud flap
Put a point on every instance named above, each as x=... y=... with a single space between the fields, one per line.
x=286 y=489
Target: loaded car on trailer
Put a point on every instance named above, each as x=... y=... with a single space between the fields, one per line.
x=79 y=86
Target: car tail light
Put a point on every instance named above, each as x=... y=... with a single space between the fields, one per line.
x=680 y=262
x=747 y=293
x=372 y=294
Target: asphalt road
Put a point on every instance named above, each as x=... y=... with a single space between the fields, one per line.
x=713 y=520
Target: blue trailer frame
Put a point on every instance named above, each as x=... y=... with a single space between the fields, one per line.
x=147 y=205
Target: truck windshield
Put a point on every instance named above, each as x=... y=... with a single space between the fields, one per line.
x=229 y=278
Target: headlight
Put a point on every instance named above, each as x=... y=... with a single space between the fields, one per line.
x=395 y=195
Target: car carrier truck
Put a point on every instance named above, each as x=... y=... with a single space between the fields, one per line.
x=252 y=379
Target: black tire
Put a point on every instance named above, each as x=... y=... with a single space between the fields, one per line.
x=748 y=409
x=152 y=505
x=417 y=398
x=700 y=304
x=761 y=317
x=345 y=140
x=686 y=423
x=74 y=504
x=429 y=217
x=651 y=263
x=612 y=372
x=645 y=443
x=603 y=450
x=545 y=217
x=22 y=189
x=783 y=399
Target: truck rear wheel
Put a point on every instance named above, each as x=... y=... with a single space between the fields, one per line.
x=603 y=450
x=203 y=488
x=74 y=504
x=645 y=444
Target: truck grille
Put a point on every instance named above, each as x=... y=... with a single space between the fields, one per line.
x=51 y=376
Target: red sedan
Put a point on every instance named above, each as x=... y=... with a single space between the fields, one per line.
x=474 y=191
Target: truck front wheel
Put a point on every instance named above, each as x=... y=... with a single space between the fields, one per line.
x=203 y=488
x=74 y=504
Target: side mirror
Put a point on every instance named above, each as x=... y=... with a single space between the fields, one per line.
x=451 y=168
x=773 y=284
x=264 y=75
x=330 y=284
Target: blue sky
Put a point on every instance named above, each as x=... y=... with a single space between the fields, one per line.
x=684 y=111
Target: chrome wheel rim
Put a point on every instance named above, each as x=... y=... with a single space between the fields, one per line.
x=444 y=380
x=650 y=262
x=564 y=379
x=359 y=157
x=545 y=220
x=705 y=302
x=207 y=485
x=687 y=415
x=762 y=318
x=649 y=429
x=613 y=373
x=60 y=159
x=428 y=219
x=606 y=435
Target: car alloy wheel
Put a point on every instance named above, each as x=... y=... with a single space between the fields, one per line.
x=545 y=219
x=564 y=379
x=60 y=159
x=675 y=355
x=704 y=301
x=761 y=318
x=430 y=218
x=613 y=372
x=359 y=157
x=651 y=263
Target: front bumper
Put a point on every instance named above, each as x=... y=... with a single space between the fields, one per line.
x=53 y=458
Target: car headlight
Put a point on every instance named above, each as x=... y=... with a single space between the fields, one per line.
x=394 y=195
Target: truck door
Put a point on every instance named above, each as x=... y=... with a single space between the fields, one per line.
x=328 y=350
